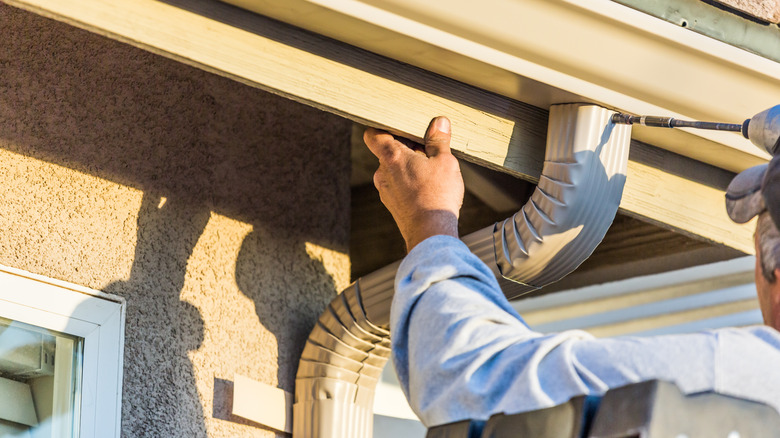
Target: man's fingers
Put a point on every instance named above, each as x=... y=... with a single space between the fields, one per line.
x=437 y=137
x=417 y=147
x=386 y=147
x=381 y=143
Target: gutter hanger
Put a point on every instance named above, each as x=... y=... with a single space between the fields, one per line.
x=553 y=233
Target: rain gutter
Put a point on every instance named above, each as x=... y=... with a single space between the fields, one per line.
x=565 y=219
x=545 y=52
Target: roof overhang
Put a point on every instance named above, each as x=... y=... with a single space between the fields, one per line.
x=554 y=51
x=489 y=128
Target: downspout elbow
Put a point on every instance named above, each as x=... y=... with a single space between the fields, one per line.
x=574 y=203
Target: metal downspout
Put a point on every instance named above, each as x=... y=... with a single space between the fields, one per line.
x=557 y=229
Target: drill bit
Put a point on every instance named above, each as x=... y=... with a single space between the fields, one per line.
x=671 y=122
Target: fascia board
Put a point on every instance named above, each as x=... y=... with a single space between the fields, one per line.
x=553 y=51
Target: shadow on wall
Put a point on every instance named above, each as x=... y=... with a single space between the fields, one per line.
x=271 y=272
x=207 y=144
x=164 y=328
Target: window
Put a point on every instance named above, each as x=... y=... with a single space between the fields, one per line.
x=54 y=337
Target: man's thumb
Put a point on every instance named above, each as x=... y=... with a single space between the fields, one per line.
x=437 y=137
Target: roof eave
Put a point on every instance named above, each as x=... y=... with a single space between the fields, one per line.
x=553 y=51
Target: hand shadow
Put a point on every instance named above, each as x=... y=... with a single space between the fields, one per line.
x=160 y=392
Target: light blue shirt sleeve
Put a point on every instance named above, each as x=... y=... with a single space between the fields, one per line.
x=462 y=352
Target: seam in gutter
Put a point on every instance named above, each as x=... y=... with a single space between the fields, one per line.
x=543 y=242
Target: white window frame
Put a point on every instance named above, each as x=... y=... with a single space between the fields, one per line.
x=97 y=317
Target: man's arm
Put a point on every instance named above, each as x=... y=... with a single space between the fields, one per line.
x=460 y=350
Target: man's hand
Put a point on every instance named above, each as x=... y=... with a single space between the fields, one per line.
x=423 y=189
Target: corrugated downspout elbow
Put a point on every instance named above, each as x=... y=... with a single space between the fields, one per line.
x=556 y=230
x=572 y=207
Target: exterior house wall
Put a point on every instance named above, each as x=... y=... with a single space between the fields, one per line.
x=218 y=211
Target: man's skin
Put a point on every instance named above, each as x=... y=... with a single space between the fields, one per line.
x=423 y=190
x=768 y=293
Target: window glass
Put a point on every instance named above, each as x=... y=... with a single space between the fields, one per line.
x=40 y=379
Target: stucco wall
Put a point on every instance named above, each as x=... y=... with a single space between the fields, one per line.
x=220 y=212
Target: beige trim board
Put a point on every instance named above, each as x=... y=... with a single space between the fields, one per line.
x=492 y=130
x=262 y=403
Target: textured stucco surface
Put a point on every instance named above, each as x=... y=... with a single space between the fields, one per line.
x=220 y=212
x=768 y=10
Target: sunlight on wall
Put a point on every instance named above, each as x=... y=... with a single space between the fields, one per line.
x=231 y=301
x=230 y=325
x=56 y=218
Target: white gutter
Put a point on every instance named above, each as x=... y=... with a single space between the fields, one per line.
x=552 y=51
